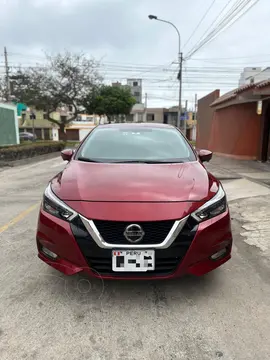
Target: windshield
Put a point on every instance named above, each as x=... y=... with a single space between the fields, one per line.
x=140 y=144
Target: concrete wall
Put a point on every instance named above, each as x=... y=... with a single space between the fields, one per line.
x=9 y=126
x=205 y=117
x=158 y=114
x=236 y=131
x=193 y=133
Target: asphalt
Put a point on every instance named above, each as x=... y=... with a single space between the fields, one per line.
x=45 y=315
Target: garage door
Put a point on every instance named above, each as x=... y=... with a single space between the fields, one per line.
x=72 y=134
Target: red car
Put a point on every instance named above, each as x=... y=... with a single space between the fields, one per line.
x=136 y=202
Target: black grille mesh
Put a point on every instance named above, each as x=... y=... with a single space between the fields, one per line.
x=113 y=231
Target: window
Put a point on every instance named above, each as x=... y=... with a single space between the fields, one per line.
x=136 y=93
x=135 y=83
x=70 y=108
x=150 y=117
x=135 y=143
x=45 y=117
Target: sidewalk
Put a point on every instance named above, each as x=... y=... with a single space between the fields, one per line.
x=225 y=169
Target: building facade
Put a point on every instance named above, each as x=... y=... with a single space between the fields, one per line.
x=231 y=125
x=164 y=116
x=252 y=75
x=135 y=86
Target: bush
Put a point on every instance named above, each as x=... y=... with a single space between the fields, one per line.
x=17 y=152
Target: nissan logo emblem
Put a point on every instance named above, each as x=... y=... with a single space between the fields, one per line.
x=134 y=233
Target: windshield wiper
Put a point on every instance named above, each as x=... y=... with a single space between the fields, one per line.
x=164 y=162
x=147 y=162
x=81 y=158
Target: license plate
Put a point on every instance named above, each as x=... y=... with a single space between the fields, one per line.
x=133 y=260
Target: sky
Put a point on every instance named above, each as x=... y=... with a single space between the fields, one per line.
x=119 y=34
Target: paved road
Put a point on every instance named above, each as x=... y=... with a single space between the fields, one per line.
x=44 y=315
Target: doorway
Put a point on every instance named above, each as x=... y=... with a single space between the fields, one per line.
x=265 y=142
x=165 y=118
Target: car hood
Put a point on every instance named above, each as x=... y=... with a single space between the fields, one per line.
x=82 y=181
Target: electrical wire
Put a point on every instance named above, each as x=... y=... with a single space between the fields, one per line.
x=225 y=23
x=199 y=23
x=212 y=24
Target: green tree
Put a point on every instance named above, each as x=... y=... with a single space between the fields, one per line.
x=64 y=80
x=110 y=101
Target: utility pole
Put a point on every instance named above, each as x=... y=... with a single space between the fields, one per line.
x=179 y=76
x=180 y=57
x=145 y=108
x=196 y=106
x=186 y=106
x=7 y=75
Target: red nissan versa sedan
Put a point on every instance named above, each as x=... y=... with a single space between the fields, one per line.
x=136 y=202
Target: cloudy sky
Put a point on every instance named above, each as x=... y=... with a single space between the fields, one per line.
x=119 y=33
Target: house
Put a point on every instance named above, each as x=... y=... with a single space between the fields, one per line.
x=80 y=127
x=39 y=124
x=236 y=124
x=135 y=86
x=46 y=130
x=253 y=74
x=164 y=116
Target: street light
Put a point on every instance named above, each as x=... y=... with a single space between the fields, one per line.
x=180 y=60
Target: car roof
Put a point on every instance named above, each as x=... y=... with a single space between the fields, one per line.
x=134 y=125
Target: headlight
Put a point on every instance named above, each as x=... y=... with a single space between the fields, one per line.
x=54 y=206
x=217 y=205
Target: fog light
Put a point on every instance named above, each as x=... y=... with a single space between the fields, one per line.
x=219 y=254
x=49 y=253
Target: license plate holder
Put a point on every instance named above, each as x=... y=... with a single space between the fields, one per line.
x=133 y=260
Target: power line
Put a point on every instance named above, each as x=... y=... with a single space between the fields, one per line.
x=229 y=19
x=233 y=58
x=226 y=23
x=199 y=23
x=212 y=24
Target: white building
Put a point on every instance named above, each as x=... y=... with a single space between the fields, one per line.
x=254 y=74
x=135 y=86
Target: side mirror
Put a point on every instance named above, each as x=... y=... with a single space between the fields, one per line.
x=67 y=154
x=205 y=155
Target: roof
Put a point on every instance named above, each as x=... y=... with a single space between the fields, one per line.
x=134 y=125
x=234 y=93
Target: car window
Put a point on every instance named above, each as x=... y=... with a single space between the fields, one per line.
x=136 y=144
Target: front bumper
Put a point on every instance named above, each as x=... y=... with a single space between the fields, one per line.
x=189 y=254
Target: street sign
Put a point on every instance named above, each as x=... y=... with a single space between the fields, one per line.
x=184 y=117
